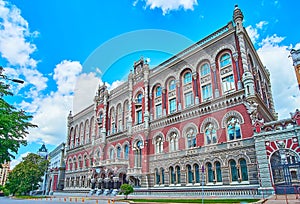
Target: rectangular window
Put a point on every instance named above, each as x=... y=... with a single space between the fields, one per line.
x=228 y=84
x=158 y=111
x=188 y=98
x=172 y=105
x=139 y=116
x=206 y=91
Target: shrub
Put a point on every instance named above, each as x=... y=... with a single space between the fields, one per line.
x=126 y=189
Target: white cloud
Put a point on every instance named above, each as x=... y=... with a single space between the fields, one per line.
x=16 y=161
x=284 y=84
x=50 y=111
x=66 y=81
x=85 y=90
x=253 y=31
x=14 y=35
x=260 y=24
x=168 y=5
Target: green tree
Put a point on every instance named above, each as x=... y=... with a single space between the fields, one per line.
x=14 y=125
x=126 y=189
x=26 y=175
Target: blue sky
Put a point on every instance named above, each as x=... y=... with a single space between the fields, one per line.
x=50 y=43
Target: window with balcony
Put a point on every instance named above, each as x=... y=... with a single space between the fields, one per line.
x=172 y=105
x=158 y=111
x=206 y=92
x=228 y=83
x=188 y=99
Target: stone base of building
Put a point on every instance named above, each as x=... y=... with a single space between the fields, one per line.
x=266 y=191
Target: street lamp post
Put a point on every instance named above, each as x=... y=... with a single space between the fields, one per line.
x=6 y=78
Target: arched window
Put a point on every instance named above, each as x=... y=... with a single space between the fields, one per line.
x=118 y=152
x=210 y=134
x=70 y=165
x=172 y=96
x=172 y=175
x=162 y=175
x=218 y=171
x=187 y=78
x=205 y=70
x=112 y=121
x=173 y=142
x=234 y=129
x=157 y=177
x=159 y=144
x=196 y=173
x=210 y=172
x=233 y=171
x=190 y=176
x=158 y=91
x=243 y=170
x=138 y=154
x=226 y=72
x=119 y=118
x=225 y=60
x=139 y=98
x=191 y=137
x=74 y=164
x=126 y=111
x=172 y=85
x=126 y=151
x=177 y=170
x=80 y=162
x=111 y=153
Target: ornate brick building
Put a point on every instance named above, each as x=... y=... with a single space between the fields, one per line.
x=170 y=127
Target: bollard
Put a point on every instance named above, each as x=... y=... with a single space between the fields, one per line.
x=65 y=200
x=82 y=200
x=112 y=201
x=108 y=201
x=70 y=199
x=96 y=201
x=76 y=200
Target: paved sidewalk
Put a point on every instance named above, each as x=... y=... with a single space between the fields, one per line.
x=289 y=198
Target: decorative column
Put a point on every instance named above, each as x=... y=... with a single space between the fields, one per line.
x=178 y=94
x=115 y=186
x=164 y=101
x=216 y=92
x=146 y=85
x=238 y=20
x=93 y=185
x=195 y=88
x=130 y=85
x=239 y=83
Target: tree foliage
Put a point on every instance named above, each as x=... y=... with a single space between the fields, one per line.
x=14 y=126
x=26 y=175
x=126 y=189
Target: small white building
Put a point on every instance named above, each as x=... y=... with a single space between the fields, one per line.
x=56 y=170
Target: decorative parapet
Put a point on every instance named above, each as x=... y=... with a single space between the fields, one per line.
x=259 y=126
